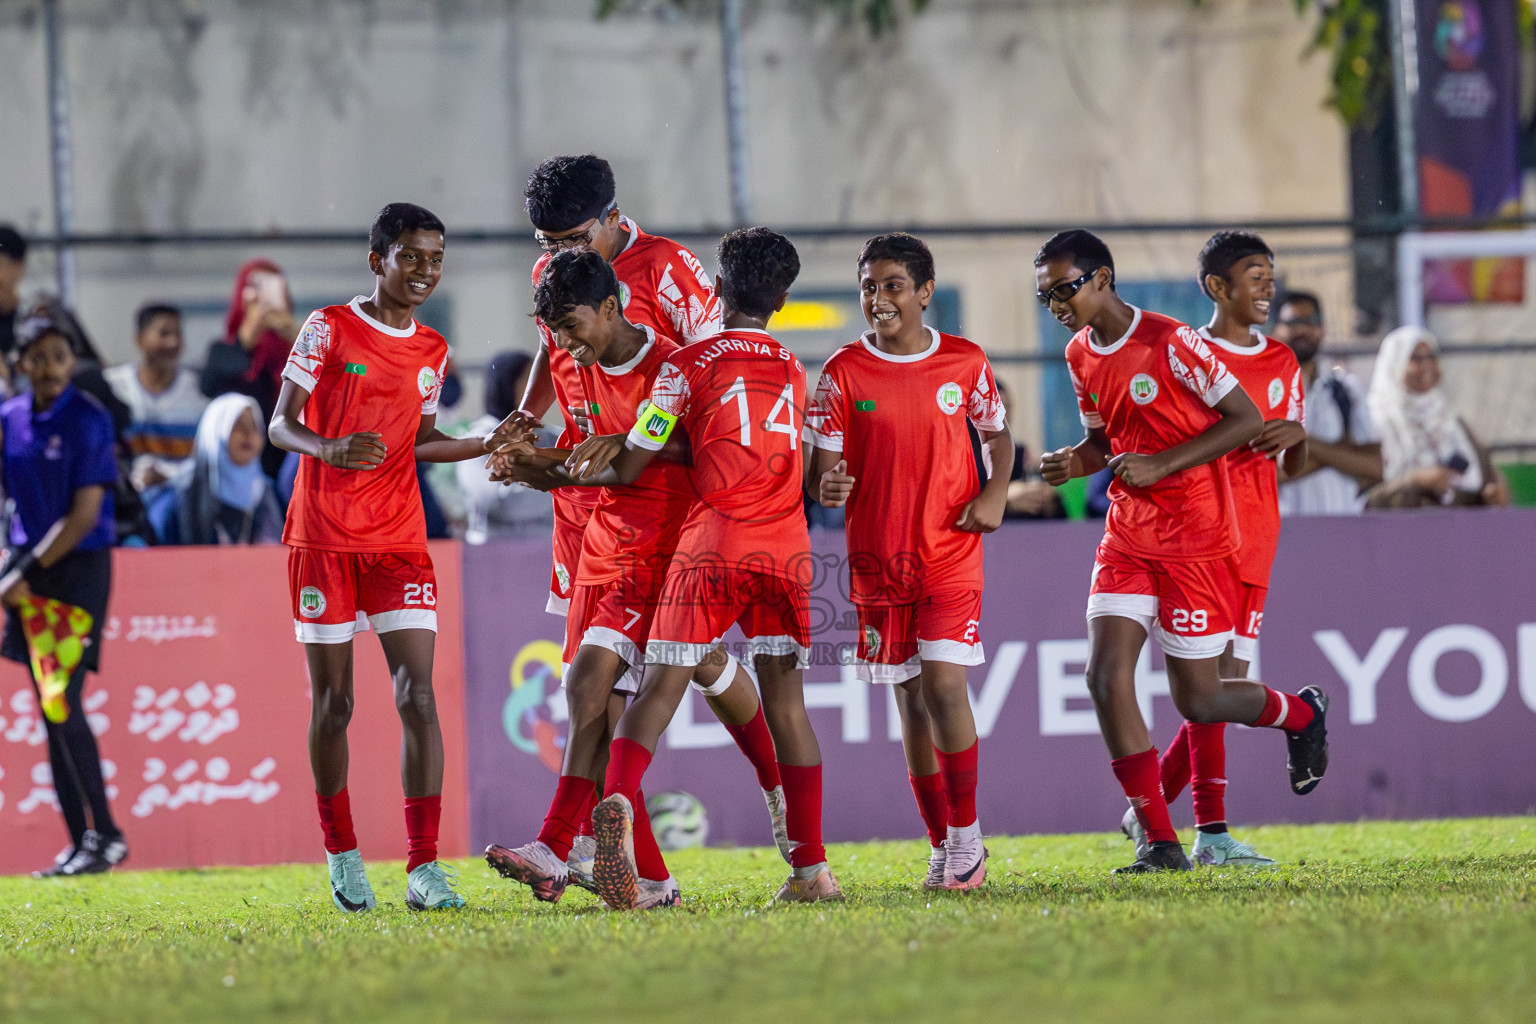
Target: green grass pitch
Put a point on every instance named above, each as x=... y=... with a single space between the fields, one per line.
x=1400 y=922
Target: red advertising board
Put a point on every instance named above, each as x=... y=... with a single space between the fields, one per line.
x=201 y=710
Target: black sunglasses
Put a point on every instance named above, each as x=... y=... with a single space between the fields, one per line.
x=1063 y=292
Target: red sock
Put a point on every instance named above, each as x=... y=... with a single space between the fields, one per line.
x=1284 y=711
x=959 y=773
x=336 y=821
x=1173 y=766
x=648 y=859
x=627 y=762
x=421 y=817
x=1138 y=776
x=932 y=804
x=757 y=743
x=584 y=826
x=572 y=801
x=802 y=797
x=1208 y=761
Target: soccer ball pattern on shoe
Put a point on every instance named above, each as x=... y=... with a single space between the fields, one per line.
x=821 y=887
x=778 y=813
x=430 y=887
x=350 y=890
x=1131 y=826
x=1159 y=857
x=1307 y=750
x=535 y=865
x=1222 y=850
x=613 y=863
x=578 y=865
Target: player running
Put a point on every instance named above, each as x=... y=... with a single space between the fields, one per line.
x=743 y=557
x=891 y=427
x=626 y=547
x=571 y=202
x=359 y=397
x=1161 y=411
x=1237 y=273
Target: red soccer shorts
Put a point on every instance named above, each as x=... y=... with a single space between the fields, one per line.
x=1250 y=616
x=338 y=594
x=894 y=640
x=1186 y=606
x=697 y=606
x=617 y=617
x=570 y=524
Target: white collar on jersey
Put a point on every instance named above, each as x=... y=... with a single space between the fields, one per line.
x=1237 y=350
x=866 y=340
x=356 y=305
x=1104 y=350
x=619 y=371
x=634 y=232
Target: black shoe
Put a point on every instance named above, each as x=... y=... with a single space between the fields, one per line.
x=1307 y=750
x=1159 y=857
x=87 y=859
x=57 y=868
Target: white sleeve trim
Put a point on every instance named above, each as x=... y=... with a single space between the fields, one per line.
x=299 y=377
x=1220 y=389
x=818 y=440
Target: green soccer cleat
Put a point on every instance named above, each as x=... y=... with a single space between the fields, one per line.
x=430 y=887
x=350 y=890
x=1221 y=850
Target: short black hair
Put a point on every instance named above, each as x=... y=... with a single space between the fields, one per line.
x=565 y=192
x=757 y=266
x=1300 y=296
x=908 y=250
x=1085 y=249
x=574 y=277
x=501 y=376
x=395 y=220
x=12 y=244
x=149 y=311
x=1224 y=249
x=37 y=327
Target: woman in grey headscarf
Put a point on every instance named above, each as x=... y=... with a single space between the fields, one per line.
x=1429 y=455
x=223 y=497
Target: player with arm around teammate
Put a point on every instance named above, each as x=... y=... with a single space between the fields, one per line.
x=890 y=427
x=1161 y=411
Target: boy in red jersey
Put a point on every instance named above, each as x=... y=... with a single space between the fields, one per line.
x=359 y=398
x=891 y=430
x=1161 y=411
x=743 y=557
x=1237 y=273
x=626 y=548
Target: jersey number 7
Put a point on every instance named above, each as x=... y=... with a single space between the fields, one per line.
x=785 y=404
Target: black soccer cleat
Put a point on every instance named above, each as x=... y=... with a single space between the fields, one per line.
x=1159 y=857
x=1307 y=750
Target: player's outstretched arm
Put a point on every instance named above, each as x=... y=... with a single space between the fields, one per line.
x=624 y=467
x=361 y=450
x=1240 y=422
x=1085 y=458
x=432 y=445
x=984 y=513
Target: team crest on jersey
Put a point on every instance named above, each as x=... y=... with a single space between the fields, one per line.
x=1143 y=389
x=311 y=603
x=623 y=295
x=562 y=577
x=950 y=397
x=871 y=640
x=426 y=380
x=1276 y=392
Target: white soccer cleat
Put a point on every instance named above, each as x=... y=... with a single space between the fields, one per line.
x=579 y=863
x=1221 y=850
x=535 y=865
x=1131 y=826
x=936 y=859
x=965 y=858
x=656 y=895
x=350 y=890
x=778 y=813
x=430 y=887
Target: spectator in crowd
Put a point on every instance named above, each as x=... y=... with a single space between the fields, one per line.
x=1428 y=453
x=1029 y=496
x=13 y=266
x=56 y=458
x=1343 y=453
x=491 y=509
x=163 y=398
x=221 y=496
x=259 y=329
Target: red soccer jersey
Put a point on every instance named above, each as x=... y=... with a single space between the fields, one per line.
x=1149 y=391
x=661 y=286
x=1270 y=374
x=902 y=424
x=362 y=375
x=738 y=395
x=637 y=526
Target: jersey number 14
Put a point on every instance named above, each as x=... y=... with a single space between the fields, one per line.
x=785 y=405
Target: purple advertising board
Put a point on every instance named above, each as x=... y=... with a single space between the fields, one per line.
x=1421 y=627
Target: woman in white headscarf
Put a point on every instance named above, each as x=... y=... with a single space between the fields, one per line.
x=223 y=497
x=1429 y=455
